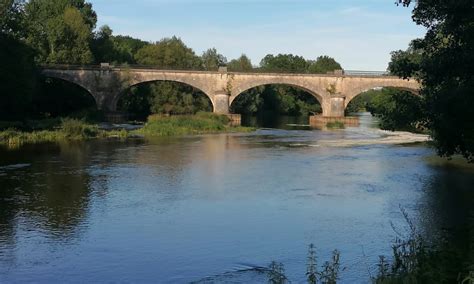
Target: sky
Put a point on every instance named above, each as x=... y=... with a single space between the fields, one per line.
x=359 y=34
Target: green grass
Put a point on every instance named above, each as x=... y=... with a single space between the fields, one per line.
x=201 y=123
x=335 y=125
x=74 y=129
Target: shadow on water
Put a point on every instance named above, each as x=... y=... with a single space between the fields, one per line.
x=272 y=120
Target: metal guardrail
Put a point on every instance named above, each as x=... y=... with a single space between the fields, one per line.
x=366 y=73
x=254 y=71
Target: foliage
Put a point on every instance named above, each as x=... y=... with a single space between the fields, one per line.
x=115 y=49
x=276 y=273
x=168 y=53
x=335 y=125
x=17 y=78
x=212 y=60
x=397 y=110
x=164 y=98
x=74 y=128
x=361 y=102
x=330 y=272
x=312 y=266
x=241 y=64
x=60 y=30
x=406 y=63
x=280 y=99
x=186 y=125
x=11 y=18
x=414 y=260
x=323 y=65
x=57 y=98
x=446 y=72
x=284 y=63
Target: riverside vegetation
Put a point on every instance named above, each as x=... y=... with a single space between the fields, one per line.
x=413 y=260
x=157 y=125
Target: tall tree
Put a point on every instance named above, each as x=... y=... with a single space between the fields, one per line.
x=323 y=64
x=241 y=64
x=169 y=53
x=284 y=63
x=446 y=72
x=17 y=69
x=60 y=30
x=17 y=78
x=211 y=59
x=11 y=18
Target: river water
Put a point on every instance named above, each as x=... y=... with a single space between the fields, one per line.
x=213 y=208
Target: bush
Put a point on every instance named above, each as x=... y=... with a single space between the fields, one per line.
x=74 y=128
x=203 y=122
x=335 y=125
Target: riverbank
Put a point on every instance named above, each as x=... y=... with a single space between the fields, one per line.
x=73 y=129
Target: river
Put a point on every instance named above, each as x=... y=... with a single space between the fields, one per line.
x=212 y=208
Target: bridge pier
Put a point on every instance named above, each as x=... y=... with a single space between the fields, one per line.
x=335 y=107
x=221 y=102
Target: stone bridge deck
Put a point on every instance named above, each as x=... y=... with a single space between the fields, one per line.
x=333 y=91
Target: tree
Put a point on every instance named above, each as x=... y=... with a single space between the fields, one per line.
x=125 y=48
x=284 y=63
x=60 y=30
x=11 y=18
x=211 y=60
x=17 y=68
x=103 y=47
x=446 y=73
x=397 y=110
x=241 y=64
x=323 y=65
x=406 y=63
x=168 y=53
x=17 y=77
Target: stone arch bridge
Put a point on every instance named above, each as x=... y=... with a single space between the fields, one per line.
x=333 y=91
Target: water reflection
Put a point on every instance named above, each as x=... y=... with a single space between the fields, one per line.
x=177 y=210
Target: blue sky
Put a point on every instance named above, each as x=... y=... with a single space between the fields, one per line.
x=359 y=33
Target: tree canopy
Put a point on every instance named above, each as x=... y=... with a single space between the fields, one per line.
x=284 y=63
x=60 y=30
x=241 y=64
x=168 y=53
x=211 y=59
x=443 y=63
x=323 y=64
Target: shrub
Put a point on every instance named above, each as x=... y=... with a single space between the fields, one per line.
x=335 y=125
x=74 y=128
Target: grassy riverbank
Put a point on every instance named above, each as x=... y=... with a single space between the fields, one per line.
x=73 y=129
x=201 y=123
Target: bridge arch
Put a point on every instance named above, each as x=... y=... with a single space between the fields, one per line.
x=234 y=98
x=140 y=83
x=241 y=87
x=87 y=92
x=69 y=79
x=205 y=83
x=352 y=96
x=318 y=97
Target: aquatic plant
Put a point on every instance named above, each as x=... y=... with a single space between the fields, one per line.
x=335 y=125
x=276 y=273
x=312 y=267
